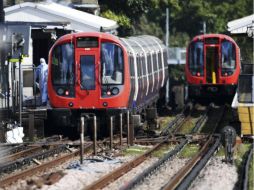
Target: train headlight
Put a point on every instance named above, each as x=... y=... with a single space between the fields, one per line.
x=198 y=74
x=66 y=93
x=60 y=91
x=108 y=93
x=115 y=91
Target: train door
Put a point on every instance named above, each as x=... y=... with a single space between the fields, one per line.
x=87 y=88
x=212 y=64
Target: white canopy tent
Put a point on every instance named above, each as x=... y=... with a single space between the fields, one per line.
x=242 y=26
x=53 y=12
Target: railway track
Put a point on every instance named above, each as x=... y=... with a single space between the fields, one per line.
x=40 y=166
x=112 y=176
x=189 y=172
x=191 y=168
x=104 y=181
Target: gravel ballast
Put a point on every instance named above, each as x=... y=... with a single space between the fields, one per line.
x=217 y=175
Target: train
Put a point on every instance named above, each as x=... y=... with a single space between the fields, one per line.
x=93 y=73
x=212 y=66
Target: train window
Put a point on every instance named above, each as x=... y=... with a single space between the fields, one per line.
x=131 y=61
x=112 y=63
x=228 y=57
x=63 y=65
x=160 y=61
x=144 y=65
x=165 y=58
x=211 y=40
x=87 y=72
x=138 y=65
x=149 y=64
x=196 y=58
x=87 y=42
x=154 y=62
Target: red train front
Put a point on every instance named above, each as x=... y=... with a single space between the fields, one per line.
x=101 y=74
x=212 y=66
x=79 y=72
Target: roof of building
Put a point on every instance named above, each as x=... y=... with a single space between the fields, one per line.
x=242 y=25
x=53 y=12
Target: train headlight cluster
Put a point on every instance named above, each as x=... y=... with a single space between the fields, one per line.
x=60 y=91
x=112 y=91
x=115 y=91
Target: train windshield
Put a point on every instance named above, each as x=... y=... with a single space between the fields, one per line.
x=228 y=57
x=63 y=64
x=112 y=63
x=196 y=59
x=87 y=72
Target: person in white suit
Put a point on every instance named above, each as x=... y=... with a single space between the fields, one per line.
x=41 y=73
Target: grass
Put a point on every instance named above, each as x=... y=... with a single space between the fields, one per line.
x=162 y=151
x=189 y=151
x=135 y=150
x=188 y=126
x=221 y=152
x=165 y=121
x=251 y=173
x=240 y=152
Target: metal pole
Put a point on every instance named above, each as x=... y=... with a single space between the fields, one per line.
x=204 y=27
x=13 y=87
x=8 y=86
x=167 y=92
x=31 y=126
x=121 y=129
x=94 y=135
x=111 y=133
x=34 y=85
x=20 y=91
x=131 y=131
x=82 y=139
x=167 y=27
x=128 y=128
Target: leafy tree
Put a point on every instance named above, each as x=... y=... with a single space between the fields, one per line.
x=186 y=18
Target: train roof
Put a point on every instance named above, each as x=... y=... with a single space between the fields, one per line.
x=139 y=44
x=203 y=36
x=143 y=44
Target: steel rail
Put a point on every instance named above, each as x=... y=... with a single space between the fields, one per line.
x=11 y=166
x=173 y=125
x=189 y=172
x=11 y=150
x=20 y=154
x=201 y=121
x=112 y=176
x=177 y=122
x=42 y=167
x=131 y=184
x=245 y=175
